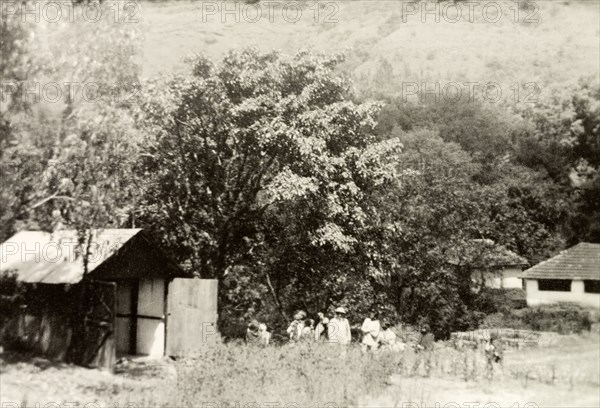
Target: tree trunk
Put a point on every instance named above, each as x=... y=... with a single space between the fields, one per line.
x=275 y=297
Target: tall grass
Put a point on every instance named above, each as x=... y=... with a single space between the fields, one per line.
x=227 y=375
x=305 y=375
x=317 y=375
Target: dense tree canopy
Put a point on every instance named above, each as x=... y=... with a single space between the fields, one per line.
x=267 y=172
x=262 y=163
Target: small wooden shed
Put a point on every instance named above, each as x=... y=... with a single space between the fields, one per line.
x=130 y=298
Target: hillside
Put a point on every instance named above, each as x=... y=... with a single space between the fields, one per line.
x=386 y=47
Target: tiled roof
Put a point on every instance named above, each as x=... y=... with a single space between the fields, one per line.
x=37 y=256
x=579 y=262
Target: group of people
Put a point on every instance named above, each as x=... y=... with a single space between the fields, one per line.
x=331 y=330
x=376 y=334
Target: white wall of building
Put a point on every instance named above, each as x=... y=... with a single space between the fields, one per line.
x=576 y=295
x=505 y=278
x=149 y=317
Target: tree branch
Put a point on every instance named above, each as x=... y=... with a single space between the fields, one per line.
x=54 y=196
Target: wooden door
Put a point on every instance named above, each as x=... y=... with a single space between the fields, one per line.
x=93 y=343
x=150 y=324
x=191 y=315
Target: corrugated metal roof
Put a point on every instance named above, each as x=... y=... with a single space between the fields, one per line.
x=37 y=256
x=579 y=262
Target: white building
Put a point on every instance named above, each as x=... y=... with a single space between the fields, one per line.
x=492 y=265
x=571 y=276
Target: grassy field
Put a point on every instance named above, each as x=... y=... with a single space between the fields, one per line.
x=564 y=373
x=388 y=44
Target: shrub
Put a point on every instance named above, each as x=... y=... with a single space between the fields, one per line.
x=494 y=320
x=563 y=318
x=501 y=300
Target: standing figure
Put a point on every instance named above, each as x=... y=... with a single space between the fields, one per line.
x=371 y=329
x=424 y=349
x=321 y=329
x=265 y=336
x=493 y=353
x=294 y=331
x=308 y=331
x=338 y=329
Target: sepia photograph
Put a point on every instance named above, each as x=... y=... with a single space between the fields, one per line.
x=299 y=203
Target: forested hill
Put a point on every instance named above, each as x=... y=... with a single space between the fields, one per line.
x=388 y=42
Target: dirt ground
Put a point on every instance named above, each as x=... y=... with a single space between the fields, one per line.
x=30 y=381
x=524 y=381
x=454 y=393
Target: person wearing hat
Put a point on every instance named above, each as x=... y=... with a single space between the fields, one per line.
x=294 y=331
x=338 y=329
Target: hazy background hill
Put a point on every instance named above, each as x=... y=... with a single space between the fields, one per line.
x=385 y=47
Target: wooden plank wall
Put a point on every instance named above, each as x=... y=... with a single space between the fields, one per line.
x=192 y=315
x=43 y=323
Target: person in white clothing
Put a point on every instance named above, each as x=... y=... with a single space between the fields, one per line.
x=265 y=336
x=338 y=329
x=371 y=330
x=294 y=331
x=388 y=339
